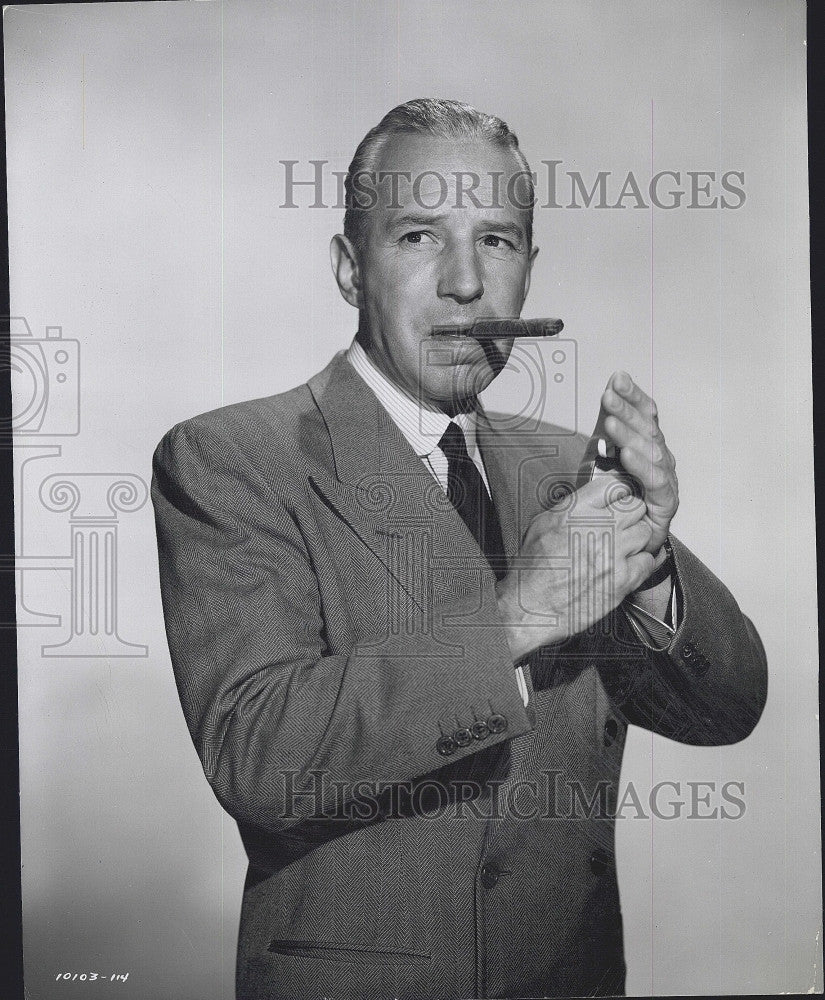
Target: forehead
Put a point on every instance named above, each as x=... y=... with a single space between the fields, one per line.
x=423 y=170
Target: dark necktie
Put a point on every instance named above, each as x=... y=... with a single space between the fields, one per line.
x=468 y=494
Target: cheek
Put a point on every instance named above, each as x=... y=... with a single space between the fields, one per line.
x=392 y=293
x=512 y=288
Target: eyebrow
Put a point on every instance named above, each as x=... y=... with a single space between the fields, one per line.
x=507 y=227
x=411 y=219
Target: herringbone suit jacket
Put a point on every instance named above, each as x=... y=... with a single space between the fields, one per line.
x=413 y=830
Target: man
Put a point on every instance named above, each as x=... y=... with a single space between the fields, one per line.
x=392 y=623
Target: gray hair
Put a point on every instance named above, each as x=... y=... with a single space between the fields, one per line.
x=435 y=117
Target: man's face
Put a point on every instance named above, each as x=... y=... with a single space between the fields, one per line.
x=450 y=263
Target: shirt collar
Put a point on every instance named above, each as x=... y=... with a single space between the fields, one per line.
x=421 y=427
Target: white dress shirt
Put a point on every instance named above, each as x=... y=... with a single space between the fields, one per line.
x=423 y=429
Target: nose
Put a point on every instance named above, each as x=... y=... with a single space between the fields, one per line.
x=461 y=278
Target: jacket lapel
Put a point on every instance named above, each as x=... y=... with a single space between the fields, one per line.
x=383 y=491
x=525 y=472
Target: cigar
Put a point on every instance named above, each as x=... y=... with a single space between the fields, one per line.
x=493 y=327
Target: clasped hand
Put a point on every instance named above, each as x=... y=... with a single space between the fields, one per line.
x=567 y=576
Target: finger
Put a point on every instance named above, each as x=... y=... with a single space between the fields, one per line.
x=646 y=467
x=624 y=435
x=614 y=491
x=627 y=511
x=640 y=567
x=633 y=539
x=635 y=417
x=624 y=385
x=641 y=457
x=602 y=490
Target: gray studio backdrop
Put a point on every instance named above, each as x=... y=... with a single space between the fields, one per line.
x=154 y=275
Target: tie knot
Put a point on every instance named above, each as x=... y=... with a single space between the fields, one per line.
x=453 y=443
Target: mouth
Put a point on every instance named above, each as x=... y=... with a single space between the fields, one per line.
x=466 y=351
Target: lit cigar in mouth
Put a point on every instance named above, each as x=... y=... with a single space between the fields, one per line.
x=458 y=343
x=494 y=328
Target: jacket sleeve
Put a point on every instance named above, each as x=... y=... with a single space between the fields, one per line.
x=269 y=706
x=709 y=686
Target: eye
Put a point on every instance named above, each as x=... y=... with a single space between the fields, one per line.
x=491 y=240
x=414 y=238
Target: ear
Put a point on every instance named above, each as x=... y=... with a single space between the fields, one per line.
x=533 y=254
x=344 y=259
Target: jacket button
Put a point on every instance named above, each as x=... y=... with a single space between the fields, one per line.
x=462 y=737
x=446 y=746
x=611 y=731
x=599 y=861
x=480 y=730
x=497 y=723
x=687 y=650
x=490 y=874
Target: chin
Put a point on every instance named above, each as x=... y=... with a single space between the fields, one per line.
x=461 y=391
x=471 y=380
